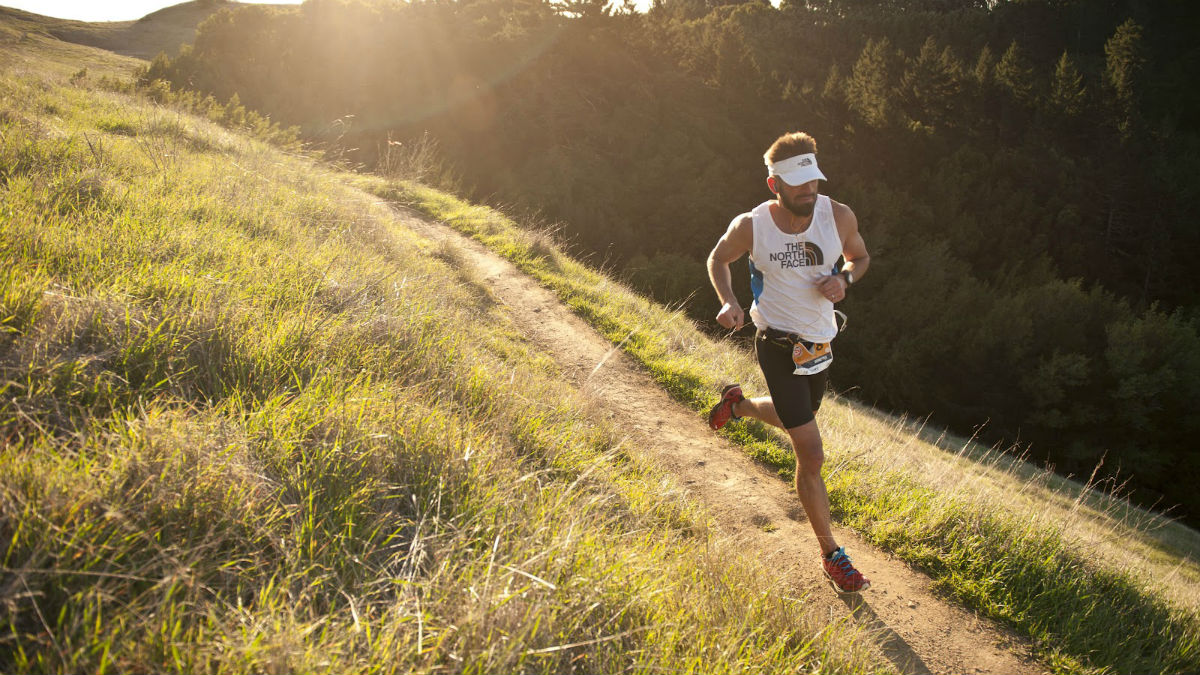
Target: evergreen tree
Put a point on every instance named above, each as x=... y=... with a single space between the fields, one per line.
x=931 y=85
x=1015 y=74
x=870 y=91
x=1067 y=92
x=1123 y=64
x=1015 y=79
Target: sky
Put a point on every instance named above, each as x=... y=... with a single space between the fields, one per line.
x=105 y=10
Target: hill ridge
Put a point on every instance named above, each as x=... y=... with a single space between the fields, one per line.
x=163 y=30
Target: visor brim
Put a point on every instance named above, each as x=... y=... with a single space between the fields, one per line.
x=797 y=170
x=801 y=176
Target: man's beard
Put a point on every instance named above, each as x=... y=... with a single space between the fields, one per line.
x=802 y=209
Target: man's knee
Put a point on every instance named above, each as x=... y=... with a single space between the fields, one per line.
x=810 y=453
x=810 y=460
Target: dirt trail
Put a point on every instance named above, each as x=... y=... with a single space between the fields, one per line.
x=916 y=631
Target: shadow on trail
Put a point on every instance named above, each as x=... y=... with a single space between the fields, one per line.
x=894 y=647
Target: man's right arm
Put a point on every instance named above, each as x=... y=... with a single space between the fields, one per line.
x=736 y=242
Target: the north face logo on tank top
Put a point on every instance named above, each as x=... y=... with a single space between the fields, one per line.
x=798 y=254
x=785 y=268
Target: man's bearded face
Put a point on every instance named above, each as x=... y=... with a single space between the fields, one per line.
x=799 y=199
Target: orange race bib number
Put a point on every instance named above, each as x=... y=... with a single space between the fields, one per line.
x=811 y=360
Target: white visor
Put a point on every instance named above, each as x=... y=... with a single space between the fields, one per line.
x=797 y=170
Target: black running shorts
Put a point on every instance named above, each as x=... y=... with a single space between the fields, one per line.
x=796 y=397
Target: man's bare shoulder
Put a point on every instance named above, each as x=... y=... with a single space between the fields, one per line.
x=843 y=215
x=839 y=208
x=741 y=227
x=737 y=240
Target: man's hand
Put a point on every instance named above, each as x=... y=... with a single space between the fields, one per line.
x=833 y=287
x=731 y=316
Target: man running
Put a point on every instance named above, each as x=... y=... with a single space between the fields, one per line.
x=794 y=242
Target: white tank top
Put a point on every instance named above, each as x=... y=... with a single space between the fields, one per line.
x=785 y=268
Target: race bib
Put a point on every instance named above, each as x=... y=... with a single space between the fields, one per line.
x=810 y=361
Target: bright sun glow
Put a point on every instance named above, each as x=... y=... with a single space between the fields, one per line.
x=91 y=10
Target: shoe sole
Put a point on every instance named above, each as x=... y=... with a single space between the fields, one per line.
x=712 y=411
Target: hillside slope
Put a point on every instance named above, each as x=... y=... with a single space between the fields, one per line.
x=254 y=419
x=165 y=30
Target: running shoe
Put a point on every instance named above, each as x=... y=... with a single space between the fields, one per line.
x=722 y=412
x=841 y=572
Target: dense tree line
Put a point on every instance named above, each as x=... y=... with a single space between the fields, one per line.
x=1025 y=173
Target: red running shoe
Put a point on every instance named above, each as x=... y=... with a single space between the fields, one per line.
x=841 y=572
x=722 y=412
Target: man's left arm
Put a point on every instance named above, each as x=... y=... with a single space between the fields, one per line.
x=854 y=250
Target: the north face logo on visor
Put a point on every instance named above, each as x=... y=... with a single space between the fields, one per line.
x=806 y=162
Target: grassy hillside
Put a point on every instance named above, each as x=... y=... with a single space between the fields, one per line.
x=162 y=31
x=251 y=423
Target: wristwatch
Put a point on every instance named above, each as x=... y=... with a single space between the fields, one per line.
x=848 y=276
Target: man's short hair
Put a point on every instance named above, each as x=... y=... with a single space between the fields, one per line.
x=790 y=145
